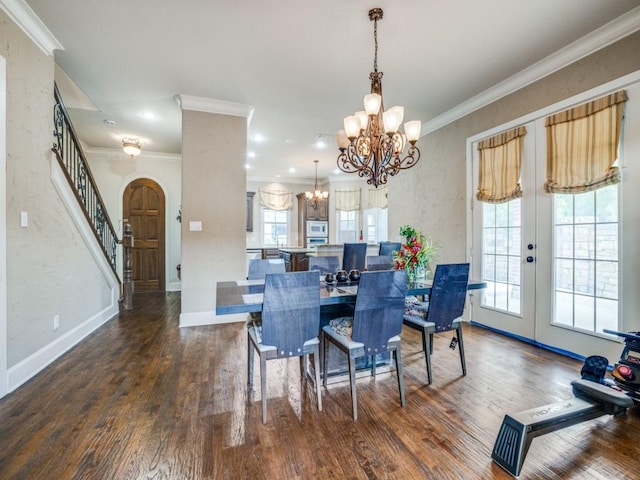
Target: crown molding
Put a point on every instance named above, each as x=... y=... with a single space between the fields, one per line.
x=31 y=25
x=212 y=105
x=613 y=31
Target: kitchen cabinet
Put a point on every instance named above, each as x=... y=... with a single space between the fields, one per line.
x=295 y=260
x=306 y=211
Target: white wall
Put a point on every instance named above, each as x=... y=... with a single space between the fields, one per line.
x=113 y=170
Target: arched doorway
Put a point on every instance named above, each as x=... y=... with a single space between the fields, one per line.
x=144 y=208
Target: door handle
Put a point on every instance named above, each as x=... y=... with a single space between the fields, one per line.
x=530 y=259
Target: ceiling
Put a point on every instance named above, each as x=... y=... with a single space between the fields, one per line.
x=302 y=65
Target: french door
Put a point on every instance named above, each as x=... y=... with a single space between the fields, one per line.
x=504 y=252
x=560 y=268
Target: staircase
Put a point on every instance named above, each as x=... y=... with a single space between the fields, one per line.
x=71 y=158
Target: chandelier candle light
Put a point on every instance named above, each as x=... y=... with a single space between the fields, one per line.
x=370 y=143
x=316 y=195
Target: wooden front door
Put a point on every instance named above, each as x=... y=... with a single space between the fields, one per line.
x=144 y=210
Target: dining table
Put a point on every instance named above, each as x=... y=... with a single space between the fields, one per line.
x=336 y=299
x=244 y=296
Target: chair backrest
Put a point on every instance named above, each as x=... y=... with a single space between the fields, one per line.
x=379 y=308
x=258 y=268
x=325 y=264
x=380 y=262
x=290 y=310
x=387 y=248
x=448 y=295
x=354 y=256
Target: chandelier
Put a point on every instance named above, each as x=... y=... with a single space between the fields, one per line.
x=370 y=143
x=316 y=195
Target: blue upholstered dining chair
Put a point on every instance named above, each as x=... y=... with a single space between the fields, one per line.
x=387 y=248
x=445 y=307
x=380 y=262
x=375 y=327
x=325 y=264
x=354 y=256
x=290 y=326
x=258 y=267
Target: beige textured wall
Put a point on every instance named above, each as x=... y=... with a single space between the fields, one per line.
x=49 y=269
x=213 y=192
x=432 y=195
x=114 y=170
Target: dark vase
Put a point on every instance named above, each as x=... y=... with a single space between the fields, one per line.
x=342 y=276
x=354 y=275
x=329 y=278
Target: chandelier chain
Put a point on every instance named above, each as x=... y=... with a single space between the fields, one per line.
x=375 y=40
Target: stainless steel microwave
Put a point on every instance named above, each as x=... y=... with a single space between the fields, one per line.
x=317 y=228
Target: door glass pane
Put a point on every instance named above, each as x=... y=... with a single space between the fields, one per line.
x=586 y=258
x=502 y=261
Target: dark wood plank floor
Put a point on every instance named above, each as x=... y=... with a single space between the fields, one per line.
x=144 y=399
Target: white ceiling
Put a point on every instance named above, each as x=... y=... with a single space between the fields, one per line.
x=302 y=65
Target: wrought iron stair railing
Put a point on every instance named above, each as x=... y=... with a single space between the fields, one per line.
x=74 y=164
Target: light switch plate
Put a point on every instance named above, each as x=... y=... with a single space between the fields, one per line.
x=24 y=219
x=195 y=226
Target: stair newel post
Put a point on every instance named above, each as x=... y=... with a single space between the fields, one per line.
x=127 y=284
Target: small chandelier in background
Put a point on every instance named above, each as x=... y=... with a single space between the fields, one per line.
x=370 y=143
x=131 y=146
x=316 y=195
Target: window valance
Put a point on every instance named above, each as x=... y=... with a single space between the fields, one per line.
x=582 y=145
x=500 y=162
x=276 y=200
x=378 y=197
x=348 y=199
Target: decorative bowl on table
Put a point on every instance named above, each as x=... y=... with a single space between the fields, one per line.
x=354 y=275
x=329 y=278
x=342 y=276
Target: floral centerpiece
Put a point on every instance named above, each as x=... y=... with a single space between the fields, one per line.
x=415 y=253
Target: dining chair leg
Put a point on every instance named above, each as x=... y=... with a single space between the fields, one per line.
x=373 y=366
x=398 y=355
x=249 y=362
x=316 y=364
x=461 y=347
x=325 y=356
x=428 y=345
x=263 y=386
x=352 y=381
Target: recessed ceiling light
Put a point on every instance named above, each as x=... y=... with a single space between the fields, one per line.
x=251 y=154
x=258 y=138
x=149 y=115
x=247 y=166
x=109 y=122
x=292 y=170
x=321 y=144
x=291 y=141
x=337 y=171
x=277 y=176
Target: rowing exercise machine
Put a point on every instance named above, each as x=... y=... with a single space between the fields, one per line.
x=594 y=396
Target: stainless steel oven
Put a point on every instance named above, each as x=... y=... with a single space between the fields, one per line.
x=312 y=241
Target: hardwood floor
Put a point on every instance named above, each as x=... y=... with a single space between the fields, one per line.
x=144 y=399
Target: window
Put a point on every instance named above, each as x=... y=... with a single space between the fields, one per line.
x=501 y=257
x=586 y=259
x=375 y=225
x=275 y=227
x=347 y=226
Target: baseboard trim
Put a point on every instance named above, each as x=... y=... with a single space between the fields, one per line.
x=530 y=341
x=38 y=361
x=198 y=319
